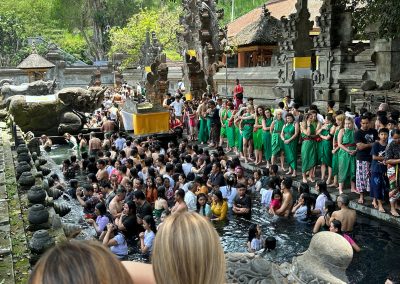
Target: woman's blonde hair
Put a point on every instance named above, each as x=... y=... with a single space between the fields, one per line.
x=186 y=250
x=341 y=118
x=79 y=262
x=277 y=111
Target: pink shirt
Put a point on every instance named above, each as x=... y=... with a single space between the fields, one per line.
x=349 y=239
x=275 y=204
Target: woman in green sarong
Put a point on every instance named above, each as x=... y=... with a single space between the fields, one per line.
x=230 y=127
x=347 y=155
x=203 y=134
x=258 y=135
x=289 y=135
x=309 y=127
x=248 y=120
x=335 y=149
x=266 y=123
x=238 y=135
x=324 y=147
x=276 y=141
x=224 y=121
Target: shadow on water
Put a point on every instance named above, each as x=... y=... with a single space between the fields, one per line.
x=380 y=243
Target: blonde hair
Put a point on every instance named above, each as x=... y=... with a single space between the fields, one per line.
x=187 y=249
x=277 y=111
x=341 y=118
x=79 y=262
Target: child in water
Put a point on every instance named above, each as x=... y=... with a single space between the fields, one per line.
x=276 y=202
x=255 y=241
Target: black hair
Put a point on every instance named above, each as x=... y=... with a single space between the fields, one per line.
x=322 y=188
x=198 y=206
x=383 y=130
x=252 y=232
x=149 y=220
x=139 y=195
x=287 y=182
x=337 y=225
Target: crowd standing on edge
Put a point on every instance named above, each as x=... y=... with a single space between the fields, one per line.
x=134 y=186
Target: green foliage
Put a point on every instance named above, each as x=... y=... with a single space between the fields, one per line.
x=381 y=17
x=241 y=7
x=130 y=38
x=12 y=36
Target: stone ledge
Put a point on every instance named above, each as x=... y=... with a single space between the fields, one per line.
x=4 y=216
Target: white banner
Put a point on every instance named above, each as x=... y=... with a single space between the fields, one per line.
x=41 y=99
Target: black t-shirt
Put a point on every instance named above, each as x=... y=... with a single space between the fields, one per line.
x=366 y=137
x=376 y=166
x=243 y=202
x=145 y=209
x=217 y=180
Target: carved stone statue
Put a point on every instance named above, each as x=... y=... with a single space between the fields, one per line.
x=64 y=113
x=325 y=261
x=36 y=88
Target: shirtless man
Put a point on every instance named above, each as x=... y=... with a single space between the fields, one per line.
x=94 y=144
x=345 y=215
x=180 y=204
x=102 y=173
x=108 y=126
x=46 y=142
x=116 y=204
x=287 y=198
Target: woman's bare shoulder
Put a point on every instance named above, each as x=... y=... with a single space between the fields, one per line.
x=140 y=272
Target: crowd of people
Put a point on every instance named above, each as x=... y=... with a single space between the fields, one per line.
x=132 y=187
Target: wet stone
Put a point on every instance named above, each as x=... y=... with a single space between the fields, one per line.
x=4 y=217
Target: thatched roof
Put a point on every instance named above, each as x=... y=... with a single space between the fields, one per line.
x=266 y=30
x=35 y=61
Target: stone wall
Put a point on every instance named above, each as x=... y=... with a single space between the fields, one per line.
x=258 y=82
x=80 y=76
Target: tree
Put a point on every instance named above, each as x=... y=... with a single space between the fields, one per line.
x=12 y=36
x=129 y=39
x=379 y=16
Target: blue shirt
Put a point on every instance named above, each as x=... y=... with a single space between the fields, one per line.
x=119 y=143
x=121 y=248
x=148 y=240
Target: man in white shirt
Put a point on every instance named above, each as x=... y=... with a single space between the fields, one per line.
x=191 y=198
x=177 y=106
x=187 y=165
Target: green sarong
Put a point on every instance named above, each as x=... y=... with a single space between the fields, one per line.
x=276 y=141
x=224 y=124
x=247 y=128
x=230 y=131
x=239 y=140
x=335 y=162
x=309 y=150
x=291 y=148
x=325 y=149
x=267 y=140
x=258 y=136
x=347 y=162
x=203 y=132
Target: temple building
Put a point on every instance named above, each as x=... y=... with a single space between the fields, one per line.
x=255 y=35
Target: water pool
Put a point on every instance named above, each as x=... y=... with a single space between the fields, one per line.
x=379 y=241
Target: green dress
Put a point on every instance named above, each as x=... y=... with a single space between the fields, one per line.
x=224 y=124
x=230 y=131
x=335 y=162
x=291 y=148
x=309 y=150
x=239 y=139
x=247 y=128
x=208 y=126
x=203 y=131
x=325 y=148
x=347 y=162
x=258 y=136
x=276 y=141
x=267 y=140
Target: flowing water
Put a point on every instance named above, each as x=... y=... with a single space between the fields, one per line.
x=379 y=241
